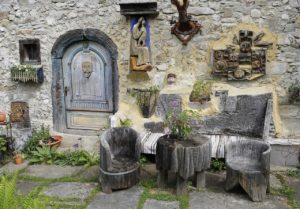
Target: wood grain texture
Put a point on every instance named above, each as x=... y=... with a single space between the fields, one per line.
x=185 y=158
x=119 y=159
x=248 y=164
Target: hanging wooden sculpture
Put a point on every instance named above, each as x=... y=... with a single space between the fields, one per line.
x=184 y=28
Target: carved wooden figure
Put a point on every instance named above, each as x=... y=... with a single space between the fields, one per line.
x=185 y=28
x=248 y=164
x=245 y=62
x=139 y=52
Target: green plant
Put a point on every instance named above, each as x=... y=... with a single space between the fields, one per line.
x=178 y=124
x=287 y=192
x=201 y=91
x=77 y=158
x=3 y=145
x=294 y=92
x=127 y=123
x=43 y=154
x=9 y=199
x=34 y=141
x=294 y=173
x=146 y=99
x=217 y=165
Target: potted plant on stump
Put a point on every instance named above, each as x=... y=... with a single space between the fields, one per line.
x=181 y=153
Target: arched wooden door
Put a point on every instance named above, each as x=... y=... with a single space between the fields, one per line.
x=87 y=86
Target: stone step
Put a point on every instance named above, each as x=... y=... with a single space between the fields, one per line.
x=75 y=142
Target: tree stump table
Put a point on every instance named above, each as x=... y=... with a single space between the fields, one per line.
x=186 y=158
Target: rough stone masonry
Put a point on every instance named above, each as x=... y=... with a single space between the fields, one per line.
x=47 y=20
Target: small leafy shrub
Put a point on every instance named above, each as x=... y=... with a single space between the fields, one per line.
x=50 y=156
x=294 y=92
x=201 y=92
x=77 y=158
x=294 y=173
x=34 y=141
x=217 y=165
x=3 y=145
x=127 y=123
x=43 y=155
x=179 y=124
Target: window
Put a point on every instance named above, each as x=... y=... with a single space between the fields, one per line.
x=30 y=51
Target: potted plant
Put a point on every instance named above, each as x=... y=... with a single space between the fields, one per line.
x=201 y=92
x=19 y=158
x=27 y=73
x=52 y=141
x=146 y=99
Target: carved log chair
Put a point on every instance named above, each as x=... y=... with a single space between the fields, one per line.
x=119 y=159
x=248 y=164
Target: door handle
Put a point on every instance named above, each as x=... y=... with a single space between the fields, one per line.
x=66 y=90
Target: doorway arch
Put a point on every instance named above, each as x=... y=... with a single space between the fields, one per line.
x=58 y=88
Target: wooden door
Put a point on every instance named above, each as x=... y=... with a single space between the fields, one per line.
x=88 y=82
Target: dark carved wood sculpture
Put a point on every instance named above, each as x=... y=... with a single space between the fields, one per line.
x=248 y=164
x=119 y=159
x=185 y=28
x=246 y=62
x=20 y=114
x=186 y=158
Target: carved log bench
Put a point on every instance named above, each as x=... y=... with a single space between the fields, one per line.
x=248 y=164
x=119 y=159
x=185 y=158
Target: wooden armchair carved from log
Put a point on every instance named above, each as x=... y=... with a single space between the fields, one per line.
x=119 y=159
x=248 y=164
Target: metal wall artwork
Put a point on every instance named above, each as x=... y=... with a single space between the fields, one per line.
x=245 y=62
x=185 y=28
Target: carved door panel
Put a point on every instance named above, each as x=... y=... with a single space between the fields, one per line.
x=87 y=86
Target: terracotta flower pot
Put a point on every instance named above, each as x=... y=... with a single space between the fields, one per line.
x=18 y=159
x=2 y=117
x=56 y=141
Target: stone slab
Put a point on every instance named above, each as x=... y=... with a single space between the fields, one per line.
x=70 y=190
x=168 y=103
x=12 y=168
x=285 y=155
x=92 y=172
x=275 y=182
x=51 y=171
x=125 y=199
x=155 y=204
x=26 y=187
x=221 y=200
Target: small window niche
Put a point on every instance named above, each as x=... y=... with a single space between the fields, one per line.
x=30 y=52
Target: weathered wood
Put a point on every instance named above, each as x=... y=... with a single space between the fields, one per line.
x=248 y=164
x=162 y=178
x=199 y=179
x=119 y=159
x=185 y=158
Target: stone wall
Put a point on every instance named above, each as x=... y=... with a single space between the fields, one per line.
x=48 y=19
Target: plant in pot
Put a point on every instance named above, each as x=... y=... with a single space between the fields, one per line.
x=18 y=157
x=178 y=125
x=146 y=99
x=201 y=92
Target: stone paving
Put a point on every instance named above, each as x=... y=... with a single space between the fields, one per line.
x=86 y=193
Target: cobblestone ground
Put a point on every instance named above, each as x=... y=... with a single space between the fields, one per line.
x=78 y=187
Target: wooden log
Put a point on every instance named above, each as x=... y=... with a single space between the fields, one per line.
x=181 y=186
x=199 y=179
x=162 y=178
